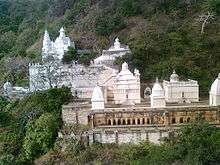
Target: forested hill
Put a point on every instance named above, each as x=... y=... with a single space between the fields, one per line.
x=163 y=34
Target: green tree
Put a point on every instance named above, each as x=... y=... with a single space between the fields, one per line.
x=70 y=56
x=40 y=136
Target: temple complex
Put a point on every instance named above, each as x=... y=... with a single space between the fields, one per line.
x=133 y=121
x=109 y=99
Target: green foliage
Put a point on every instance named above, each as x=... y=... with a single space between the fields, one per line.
x=85 y=58
x=3 y=102
x=33 y=121
x=106 y=23
x=130 y=7
x=214 y=5
x=198 y=143
x=40 y=136
x=70 y=55
x=50 y=101
x=7 y=159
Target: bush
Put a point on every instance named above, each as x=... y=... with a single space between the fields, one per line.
x=40 y=136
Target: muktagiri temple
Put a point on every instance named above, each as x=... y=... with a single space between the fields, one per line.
x=114 y=102
x=116 y=113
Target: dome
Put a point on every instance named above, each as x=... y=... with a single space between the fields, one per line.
x=157 y=89
x=215 y=88
x=174 y=77
x=97 y=95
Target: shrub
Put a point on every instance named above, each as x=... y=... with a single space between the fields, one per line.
x=40 y=136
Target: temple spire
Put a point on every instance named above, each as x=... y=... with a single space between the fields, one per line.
x=62 y=32
x=46 y=42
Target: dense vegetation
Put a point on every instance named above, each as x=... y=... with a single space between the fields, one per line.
x=163 y=35
x=28 y=128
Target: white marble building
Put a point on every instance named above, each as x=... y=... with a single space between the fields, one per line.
x=214 y=94
x=97 y=99
x=181 y=91
x=58 y=48
x=108 y=56
x=123 y=88
x=157 y=96
x=126 y=87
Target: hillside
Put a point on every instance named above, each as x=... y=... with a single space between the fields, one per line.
x=163 y=34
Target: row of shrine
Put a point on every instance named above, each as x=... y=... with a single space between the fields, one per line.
x=126 y=90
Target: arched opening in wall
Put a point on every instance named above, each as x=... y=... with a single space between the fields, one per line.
x=119 y=121
x=123 y=122
x=129 y=122
x=188 y=119
x=143 y=121
x=183 y=95
x=114 y=122
x=173 y=120
x=181 y=120
x=133 y=121
x=148 y=121
x=109 y=122
x=138 y=122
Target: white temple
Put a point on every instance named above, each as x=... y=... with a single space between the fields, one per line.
x=108 y=56
x=120 y=88
x=127 y=86
x=58 y=48
x=214 y=94
x=181 y=91
x=157 y=96
x=115 y=87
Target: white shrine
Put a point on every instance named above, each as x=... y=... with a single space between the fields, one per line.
x=127 y=86
x=157 y=96
x=108 y=56
x=214 y=94
x=181 y=91
x=58 y=48
x=97 y=99
x=121 y=88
